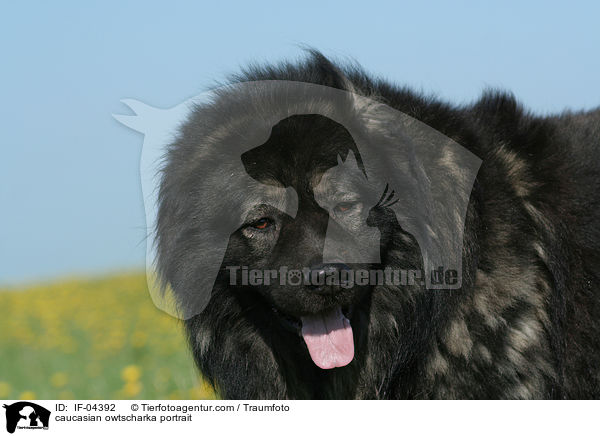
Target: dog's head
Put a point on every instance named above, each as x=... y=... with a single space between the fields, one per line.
x=288 y=196
x=313 y=267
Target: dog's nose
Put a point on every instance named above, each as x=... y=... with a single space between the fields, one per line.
x=327 y=276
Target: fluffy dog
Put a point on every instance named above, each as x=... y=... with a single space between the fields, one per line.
x=525 y=320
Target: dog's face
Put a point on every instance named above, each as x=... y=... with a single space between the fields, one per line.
x=309 y=292
x=298 y=153
x=300 y=226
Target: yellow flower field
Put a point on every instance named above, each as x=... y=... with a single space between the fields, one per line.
x=93 y=339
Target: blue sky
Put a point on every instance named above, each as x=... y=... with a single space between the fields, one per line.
x=70 y=196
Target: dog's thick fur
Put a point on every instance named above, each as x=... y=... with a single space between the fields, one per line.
x=526 y=322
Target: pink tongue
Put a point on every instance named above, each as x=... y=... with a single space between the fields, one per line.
x=329 y=339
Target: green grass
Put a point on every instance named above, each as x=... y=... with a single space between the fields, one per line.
x=93 y=339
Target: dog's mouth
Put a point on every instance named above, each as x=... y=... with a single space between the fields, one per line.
x=328 y=335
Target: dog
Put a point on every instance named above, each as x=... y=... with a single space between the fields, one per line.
x=518 y=316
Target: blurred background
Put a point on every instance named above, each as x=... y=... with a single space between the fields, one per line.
x=76 y=320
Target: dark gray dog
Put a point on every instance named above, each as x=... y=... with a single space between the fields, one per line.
x=524 y=321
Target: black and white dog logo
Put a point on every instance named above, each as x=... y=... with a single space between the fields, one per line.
x=26 y=415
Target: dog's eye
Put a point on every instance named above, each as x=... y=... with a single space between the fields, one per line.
x=344 y=207
x=261 y=224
